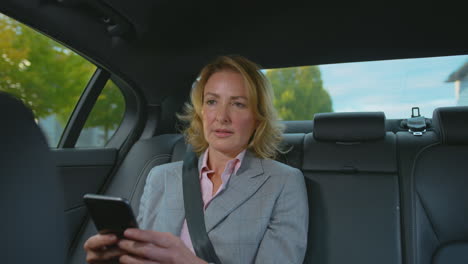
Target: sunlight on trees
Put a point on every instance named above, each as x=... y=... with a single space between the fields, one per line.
x=299 y=92
x=50 y=78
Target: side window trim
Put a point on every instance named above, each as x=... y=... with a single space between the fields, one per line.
x=83 y=109
x=133 y=120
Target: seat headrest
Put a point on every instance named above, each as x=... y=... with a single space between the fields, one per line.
x=349 y=127
x=29 y=187
x=451 y=123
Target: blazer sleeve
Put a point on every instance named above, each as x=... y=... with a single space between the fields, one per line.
x=285 y=240
x=151 y=198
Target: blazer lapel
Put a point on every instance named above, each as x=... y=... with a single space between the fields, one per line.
x=250 y=177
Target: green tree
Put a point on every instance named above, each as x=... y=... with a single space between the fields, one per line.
x=13 y=57
x=46 y=76
x=49 y=77
x=108 y=111
x=299 y=92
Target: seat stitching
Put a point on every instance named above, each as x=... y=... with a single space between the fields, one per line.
x=413 y=200
x=428 y=218
x=441 y=127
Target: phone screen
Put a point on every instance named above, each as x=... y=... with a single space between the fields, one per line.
x=110 y=214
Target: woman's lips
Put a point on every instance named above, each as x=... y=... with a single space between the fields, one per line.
x=222 y=133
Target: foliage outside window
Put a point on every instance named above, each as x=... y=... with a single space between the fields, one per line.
x=46 y=76
x=299 y=92
x=391 y=86
x=104 y=119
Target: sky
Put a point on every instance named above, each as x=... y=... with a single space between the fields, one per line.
x=392 y=86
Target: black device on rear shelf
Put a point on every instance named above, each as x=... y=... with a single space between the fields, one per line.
x=417 y=124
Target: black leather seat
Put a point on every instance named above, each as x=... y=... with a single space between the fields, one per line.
x=352 y=182
x=32 y=217
x=408 y=148
x=130 y=178
x=440 y=192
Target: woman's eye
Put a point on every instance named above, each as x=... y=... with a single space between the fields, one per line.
x=240 y=105
x=210 y=102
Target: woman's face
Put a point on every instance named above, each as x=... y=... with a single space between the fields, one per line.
x=228 y=120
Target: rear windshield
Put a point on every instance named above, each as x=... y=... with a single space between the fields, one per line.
x=391 y=86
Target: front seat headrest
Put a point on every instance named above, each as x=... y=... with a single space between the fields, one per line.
x=32 y=221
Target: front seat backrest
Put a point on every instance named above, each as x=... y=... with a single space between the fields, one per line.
x=32 y=217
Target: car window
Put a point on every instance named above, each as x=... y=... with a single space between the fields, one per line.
x=49 y=79
x=104 y=119
x=391 y=86
x=46 y=76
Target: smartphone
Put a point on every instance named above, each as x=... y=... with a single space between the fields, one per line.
x=111 y=215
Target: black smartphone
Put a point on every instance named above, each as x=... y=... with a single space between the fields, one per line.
x=111 y=215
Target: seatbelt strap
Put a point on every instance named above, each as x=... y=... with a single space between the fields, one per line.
x=194 y=214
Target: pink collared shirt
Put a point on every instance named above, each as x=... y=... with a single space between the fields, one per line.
x=232 y=167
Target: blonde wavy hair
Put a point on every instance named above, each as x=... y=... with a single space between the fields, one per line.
x=265 y=141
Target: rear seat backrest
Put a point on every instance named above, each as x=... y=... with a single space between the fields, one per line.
x=440 y=175
x=408 y=148
x=351 y=177
x=293 y=145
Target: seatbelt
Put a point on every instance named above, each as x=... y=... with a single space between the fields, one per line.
x=194 y=214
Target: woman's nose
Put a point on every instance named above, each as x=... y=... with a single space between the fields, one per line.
x=222 y=115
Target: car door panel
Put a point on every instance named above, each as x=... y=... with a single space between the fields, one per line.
x=81 y=171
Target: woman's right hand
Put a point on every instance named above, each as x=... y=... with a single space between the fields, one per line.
x=102 y=248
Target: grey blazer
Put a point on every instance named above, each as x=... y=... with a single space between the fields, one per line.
x=261 y=216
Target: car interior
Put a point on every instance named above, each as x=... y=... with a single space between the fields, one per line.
x=380 y=190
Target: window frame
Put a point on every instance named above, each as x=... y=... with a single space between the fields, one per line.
x=86 y=103
x=83 y=108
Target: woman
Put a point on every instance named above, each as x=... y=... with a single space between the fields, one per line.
x=255 y=208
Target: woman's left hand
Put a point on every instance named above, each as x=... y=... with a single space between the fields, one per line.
x=149 y=247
